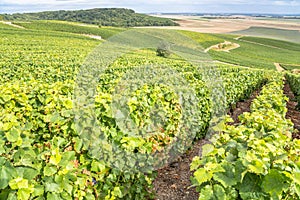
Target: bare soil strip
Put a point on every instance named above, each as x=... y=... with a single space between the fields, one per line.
x=173 y=182
x=11 y=24
x=292 y=113
x=226 y=25
x=241 y=107
x=97 y=37
x=278 y=67
x=219 y=47
x=237 y=38
x=296 y=71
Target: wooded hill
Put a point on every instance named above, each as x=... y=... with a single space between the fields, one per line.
x=120 y=17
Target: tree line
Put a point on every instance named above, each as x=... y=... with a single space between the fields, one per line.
x=119 y=17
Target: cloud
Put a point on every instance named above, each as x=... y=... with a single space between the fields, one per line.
x=146 y=2
x=287 y=3
x=266 y=6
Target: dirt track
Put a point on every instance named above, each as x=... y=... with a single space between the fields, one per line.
x=216 y=47
x=97 y=37
x=278 y=67
x=11 y=24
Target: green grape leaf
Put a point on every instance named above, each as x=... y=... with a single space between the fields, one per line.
x=228 y=177
x=52 y=196
x=12 y=195
x=27 y=172
x=55 y=158
x=49 y=170
x=24 y=193
x=274 y=183
x=7 y=173
x=97 y=166
x=38 y=191
x=219 y=192
x=18 y=183
x=296 y=177
x=78 y=144
x=206 y=193
x=206 y=149
x=250 y=187
x=52 y=187
x=257 y=167
x=117 y=192
x=12 y=135
x=202 y=175
x=66 y=158
x=68 y=104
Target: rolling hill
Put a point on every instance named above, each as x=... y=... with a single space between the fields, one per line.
x=120 y=17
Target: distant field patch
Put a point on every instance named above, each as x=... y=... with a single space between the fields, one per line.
x=272 y=43
x=274 y=33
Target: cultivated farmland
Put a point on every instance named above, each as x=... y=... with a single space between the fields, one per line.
x=49 y=151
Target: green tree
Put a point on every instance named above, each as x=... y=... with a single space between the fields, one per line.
x=164 y=50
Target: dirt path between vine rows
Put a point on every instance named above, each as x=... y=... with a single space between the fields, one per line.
x=227 y=49
x=241 y=107
x=278 y=67
x=11 y=24
x=292 y=113
x=239 y=37
x=173 y=181
x=97 y=37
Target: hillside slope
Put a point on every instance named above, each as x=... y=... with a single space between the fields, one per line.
x=252 y=52
x=71 y=27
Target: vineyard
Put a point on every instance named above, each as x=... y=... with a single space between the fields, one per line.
x=44 y=156
x=253 y=52
x=294 y=81
x=249 y=160
x=260 y=53
x=104 y=32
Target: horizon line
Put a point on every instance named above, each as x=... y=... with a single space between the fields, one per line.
x=161 y=13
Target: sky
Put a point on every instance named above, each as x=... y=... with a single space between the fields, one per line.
x=160 y=6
